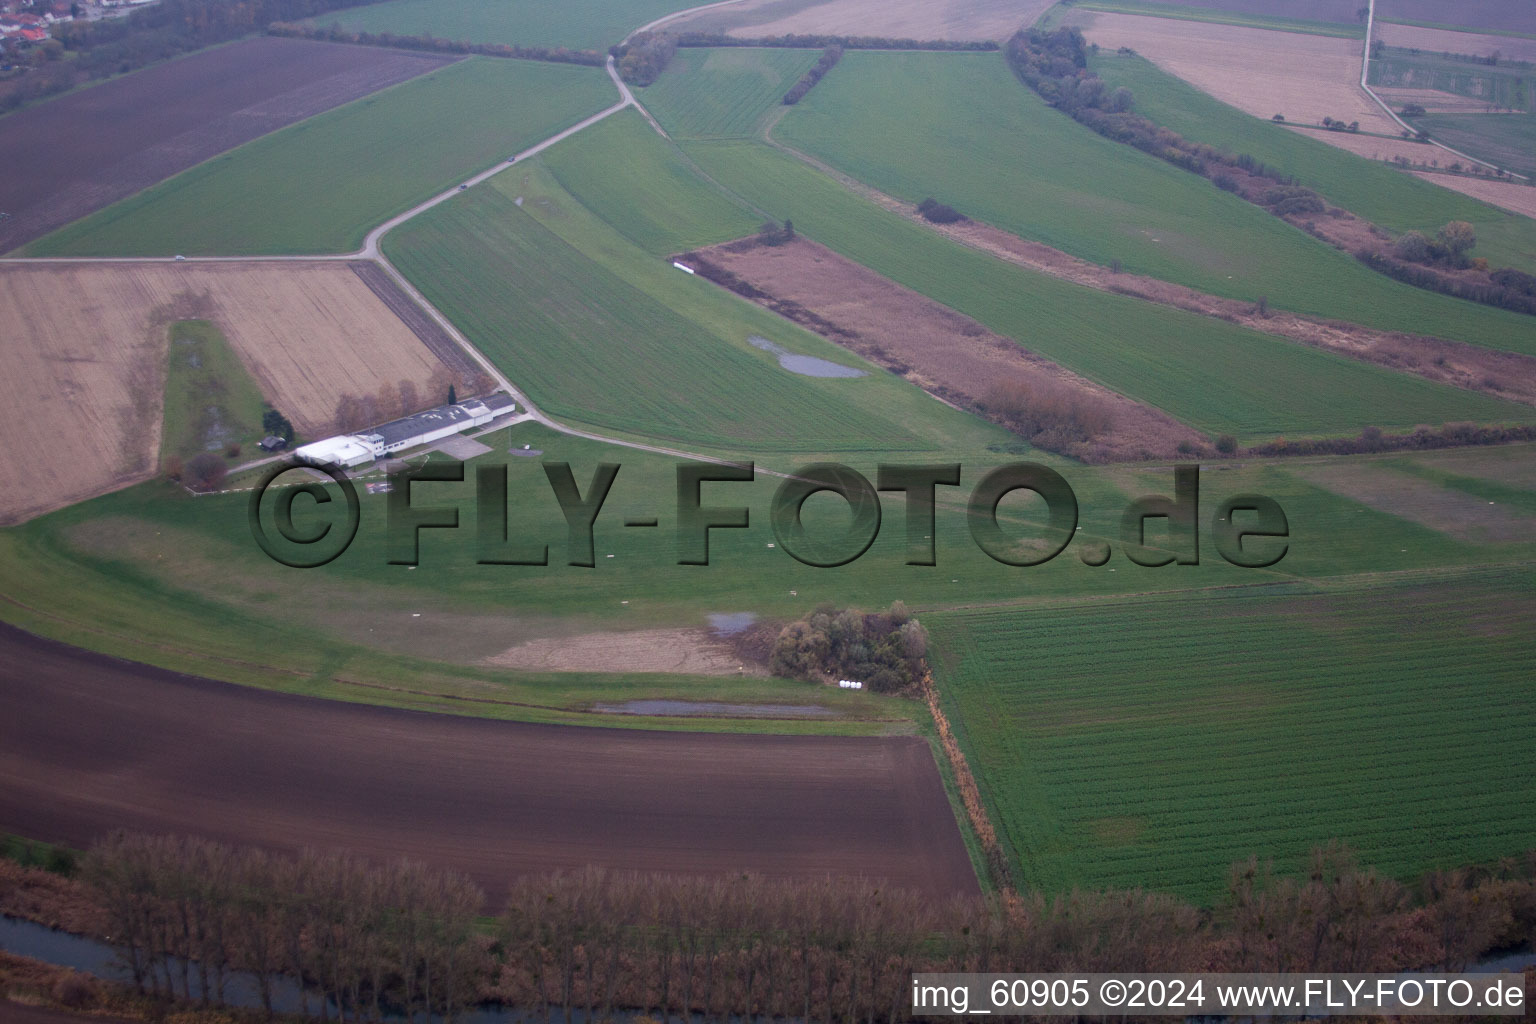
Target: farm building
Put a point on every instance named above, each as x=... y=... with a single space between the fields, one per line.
x=350 y=450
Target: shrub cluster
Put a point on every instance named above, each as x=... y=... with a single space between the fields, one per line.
x=642 y=60
x=813 y=42
x=887 y=651
x=829 y=56
x=1284 y=200
x=939 y=213
x=1053 y=416
x=774 y=233
x=432 y=44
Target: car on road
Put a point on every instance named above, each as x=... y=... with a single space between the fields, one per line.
x=180 y=258
x=463 y=187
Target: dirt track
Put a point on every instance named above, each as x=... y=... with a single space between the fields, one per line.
x=88 y=743
x=142 y=128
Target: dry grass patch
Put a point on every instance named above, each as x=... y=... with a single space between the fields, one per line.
x=1452 y=513
x=85 y=351
x=687 y=651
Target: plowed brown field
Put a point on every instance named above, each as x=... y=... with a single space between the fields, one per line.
x=89 y=743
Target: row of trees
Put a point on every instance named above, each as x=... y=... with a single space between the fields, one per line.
x=366 y=940
x=887 y=651
x=829 y=56
x=90 y=50
x=1374 y=439
x=1054 y=64
x=187 y=914
x=334 y=33
x=392 y=401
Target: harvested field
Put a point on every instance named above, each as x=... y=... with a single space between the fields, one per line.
x=1505 y=195
x=938 y=349
x=1454 y=513
x=1340 y=11
x=1438 y=40
x=81 y=152
x=85 y=350
x=688 y=651
x=1262 y=72
x=902 y=19
x=90 y=743
x=1495 y=15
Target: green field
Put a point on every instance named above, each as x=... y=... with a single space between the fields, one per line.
x=602 y=333
x=642 y=187
x=723 y=93
x=320 y=185
x=156 y=575
x=1184 y=12
x=1207 y=373
x=1154 y=742
x=975 y=137
x=576 y=24
x=1508 y=140
x=211 y=402
x=1367 y=188
x=1507 y=86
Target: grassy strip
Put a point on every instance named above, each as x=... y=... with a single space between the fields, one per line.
x=211 y=402
x=723 y=93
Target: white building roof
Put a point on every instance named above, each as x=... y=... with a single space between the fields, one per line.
x=336 y=451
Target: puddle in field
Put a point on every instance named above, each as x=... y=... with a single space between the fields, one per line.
x=731 y=623
x=805 y=366
x=715 y=709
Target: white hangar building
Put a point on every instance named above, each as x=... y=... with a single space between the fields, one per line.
x=349 y=450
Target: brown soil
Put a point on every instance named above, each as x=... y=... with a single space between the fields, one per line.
x=689 y=651
x=81 y=152
x=947 y=354
x=1505 y=374
x=89 y=743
